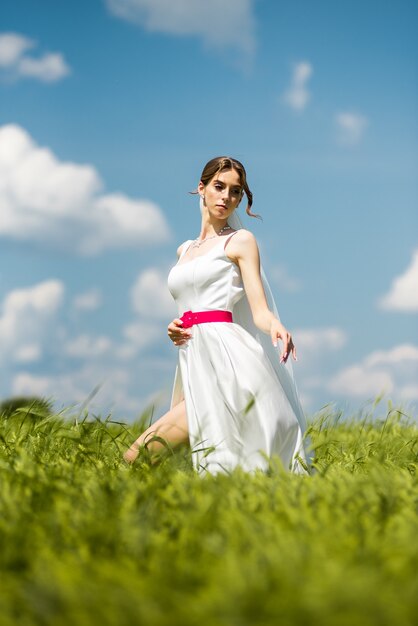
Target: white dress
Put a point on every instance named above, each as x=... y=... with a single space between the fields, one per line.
x=238 y=412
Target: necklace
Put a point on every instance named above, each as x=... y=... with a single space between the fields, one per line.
x=196 y=243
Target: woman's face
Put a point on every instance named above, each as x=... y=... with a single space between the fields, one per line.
x=222 y=194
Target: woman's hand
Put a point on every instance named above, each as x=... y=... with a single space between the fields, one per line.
x=278 y=331
x=177 y=333
x=131 y=454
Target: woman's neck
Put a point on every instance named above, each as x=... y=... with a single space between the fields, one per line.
x=210 y=227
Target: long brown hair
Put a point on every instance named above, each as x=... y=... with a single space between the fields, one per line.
x=221 y=164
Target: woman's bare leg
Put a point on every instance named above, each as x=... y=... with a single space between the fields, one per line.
x=172 y=427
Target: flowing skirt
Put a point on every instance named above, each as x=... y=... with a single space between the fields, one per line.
x=237 y=410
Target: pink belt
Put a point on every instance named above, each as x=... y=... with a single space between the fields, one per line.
x=190 y=318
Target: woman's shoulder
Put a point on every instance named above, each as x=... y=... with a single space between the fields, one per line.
x=241 y=244
x=180 y=248
x=243 y=237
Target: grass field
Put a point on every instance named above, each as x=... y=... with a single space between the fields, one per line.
x=87 y=540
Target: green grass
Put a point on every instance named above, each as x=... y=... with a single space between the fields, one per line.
x=87 y=540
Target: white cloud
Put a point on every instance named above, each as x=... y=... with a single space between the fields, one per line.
x=138 y=335
x=315 y=347
x=298 y=96
x=34 y=326
x=109 y=385
x=88 y=300
x=220 y=24
x=28 y=353
x=116 y=373
x=396 y=356
x=12 y=47
x=26 y=384
x=351 y=127
x=74 y=387
x=150 y=295
x=57 y=204
x=281 y=277
x=48 y=68
x=126 y=222
x=409 y=392
x=119 y=382
x=313 y=341
x=135 y=336
x=360 y=381
x=403 y=293
x=393 y=371
x=88 y=347
x=27 y=321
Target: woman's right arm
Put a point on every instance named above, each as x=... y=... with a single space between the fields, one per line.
x=244 y=251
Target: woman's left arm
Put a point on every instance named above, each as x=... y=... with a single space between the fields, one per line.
x=243 y=249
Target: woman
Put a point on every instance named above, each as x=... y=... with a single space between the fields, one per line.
x=234 y=399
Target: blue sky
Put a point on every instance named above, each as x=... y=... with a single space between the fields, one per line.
x=108 y=112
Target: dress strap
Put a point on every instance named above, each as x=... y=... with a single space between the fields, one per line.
x=229 y=238
x=185 y=246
